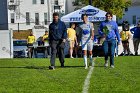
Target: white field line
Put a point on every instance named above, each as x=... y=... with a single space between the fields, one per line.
x=87 y=80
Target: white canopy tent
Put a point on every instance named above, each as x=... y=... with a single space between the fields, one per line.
x=95 y=15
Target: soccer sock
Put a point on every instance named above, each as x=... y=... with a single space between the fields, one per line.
x=85 y=60
x=91 y=59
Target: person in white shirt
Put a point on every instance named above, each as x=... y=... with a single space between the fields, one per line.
x=87 y=37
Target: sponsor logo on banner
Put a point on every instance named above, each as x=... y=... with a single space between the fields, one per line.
x=90 y=18
x=89 y=12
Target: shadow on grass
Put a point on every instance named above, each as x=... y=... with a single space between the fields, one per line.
x=42 y=67
x=29 y=67
x=99 y=66
x=69 y=66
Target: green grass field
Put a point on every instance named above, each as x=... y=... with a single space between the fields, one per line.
x=33 y=76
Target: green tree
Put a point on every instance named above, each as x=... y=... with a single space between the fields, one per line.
x=115 y=6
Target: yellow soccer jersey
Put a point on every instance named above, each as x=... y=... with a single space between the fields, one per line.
x=125 y=35
x=71 y=33
x=31 y=39
x=45 y=38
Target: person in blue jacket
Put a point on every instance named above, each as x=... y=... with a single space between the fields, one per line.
x=136 y=37
x=109 y=31
x=57 y=38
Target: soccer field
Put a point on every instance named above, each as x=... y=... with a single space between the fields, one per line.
x=33 y=76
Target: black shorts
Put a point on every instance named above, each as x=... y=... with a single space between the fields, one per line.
x=126 y=41
x=28 y=45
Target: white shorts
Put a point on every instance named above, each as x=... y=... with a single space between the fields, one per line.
x=87 y=45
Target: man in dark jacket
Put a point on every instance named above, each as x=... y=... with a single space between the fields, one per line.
x=136 y=37
x=57 y=38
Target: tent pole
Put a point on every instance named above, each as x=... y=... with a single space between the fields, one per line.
x=90 y=2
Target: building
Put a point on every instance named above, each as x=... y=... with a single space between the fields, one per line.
x=3 y=15
x=71 y=6
x=26 y=14
x=132 y=14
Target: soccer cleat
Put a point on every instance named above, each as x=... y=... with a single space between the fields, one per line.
x=51 y=67
x=71 y=57
x=112 y=66
x=62 y=65
x=136 y=53
x=106 y=64
x=86 y=67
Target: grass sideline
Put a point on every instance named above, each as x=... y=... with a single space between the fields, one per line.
x=33 y=76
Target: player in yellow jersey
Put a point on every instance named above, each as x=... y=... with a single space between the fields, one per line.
x=30 y=41
x=72 y=38
x=125 y=35
x=45 y=39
